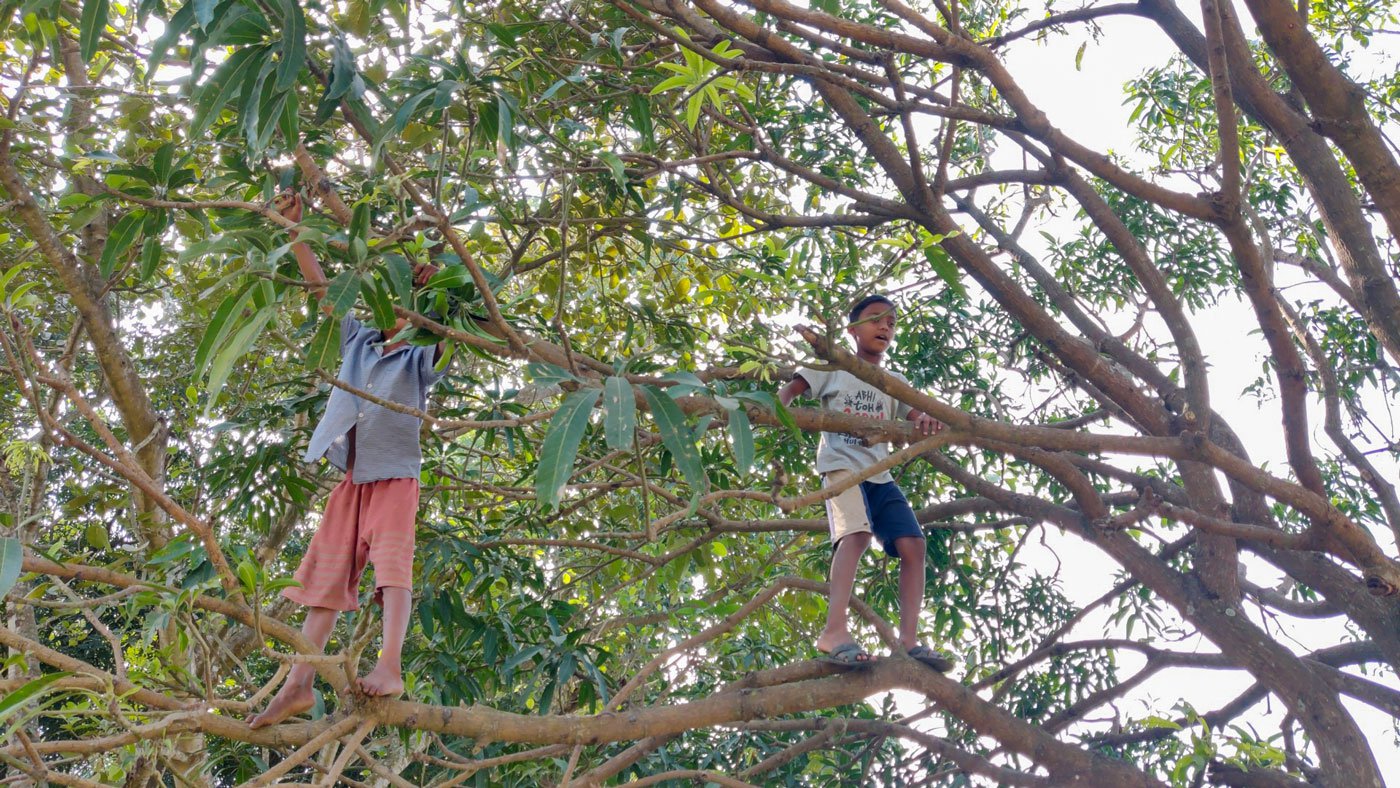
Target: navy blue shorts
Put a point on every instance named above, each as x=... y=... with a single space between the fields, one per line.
x=891 y=516
x=886 y=510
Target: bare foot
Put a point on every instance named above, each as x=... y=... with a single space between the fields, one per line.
x=291 y=700
x=383 y=680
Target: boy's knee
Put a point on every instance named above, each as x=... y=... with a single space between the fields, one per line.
x=910 y=548
x=856 y=541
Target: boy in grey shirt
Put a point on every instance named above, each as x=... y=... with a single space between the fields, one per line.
x=875 y=507
x=371 y=516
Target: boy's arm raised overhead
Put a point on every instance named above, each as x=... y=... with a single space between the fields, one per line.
x=289 y=204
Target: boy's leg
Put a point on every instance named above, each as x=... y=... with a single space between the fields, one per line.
x=328 y=576
x=295 y=696
x=902 y=537
x=391 y=511
x=911 y=588
x=387 y=676
x=844 y=562
x=848 y=518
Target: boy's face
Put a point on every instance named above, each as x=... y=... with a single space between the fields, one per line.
x=874 y=329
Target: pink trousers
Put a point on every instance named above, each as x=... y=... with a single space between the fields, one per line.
x=370 y=523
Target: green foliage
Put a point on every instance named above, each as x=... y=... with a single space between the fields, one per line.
x=11 y=557
x=15 y=702
x=620 y=407
x=697 y=78
x=94 y=22
x=677 y=437
x=561 y=445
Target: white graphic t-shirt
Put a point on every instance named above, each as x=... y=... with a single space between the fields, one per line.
x=841 y=391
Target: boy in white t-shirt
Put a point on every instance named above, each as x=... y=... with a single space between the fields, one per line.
x=875 y=507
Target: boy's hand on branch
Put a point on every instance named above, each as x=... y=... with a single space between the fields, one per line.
x=288 y=204
x=422 y=272
x=925 y=423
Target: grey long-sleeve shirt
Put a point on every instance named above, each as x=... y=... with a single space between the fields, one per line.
x=386 y=442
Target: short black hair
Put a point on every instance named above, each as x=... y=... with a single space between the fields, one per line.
x=873 y=298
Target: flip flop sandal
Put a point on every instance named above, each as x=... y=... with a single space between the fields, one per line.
x=848 y=655
x=939 y=661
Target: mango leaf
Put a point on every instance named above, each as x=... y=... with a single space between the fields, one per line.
x=174 y=28
x=701 y=427
x=405 y=113
x=520 y=658
x=324 y=349
x=97 y=537
x=247 y=576
x=237 y=24
x=639 y=113
x=561 y=446
x=381 y=303
x=505 y=124
x=11 y=559
x=293 y=45
x=269 y=115
x=176 y=550
x=17 y=700
x=220 y=325
x=257 y=92
x=671 y=83
x=16 y=299
x=289 y=123
x=614 y=163
x=766 y=400
x=150 y=257
x=446 y=95
x=741 y=435
x=545 y=373
x=359 y=221
x=155 y=222
x=692 y=110
x=204 y=11
x=342 y=70
x=450 y=278
x=162 y=163
x=123 y=235
x=342 y=291
x=83 y=216
x=677 y=438
x=239 y=344
x=686 y=383
x=620 y=418
x=9 y=276
x=221 y=87
x=944 y=266
x=93 y=22
x=400 y=278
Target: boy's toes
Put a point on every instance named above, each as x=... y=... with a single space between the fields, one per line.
x=287 y=703
x=847 y=655
x=381 y=682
